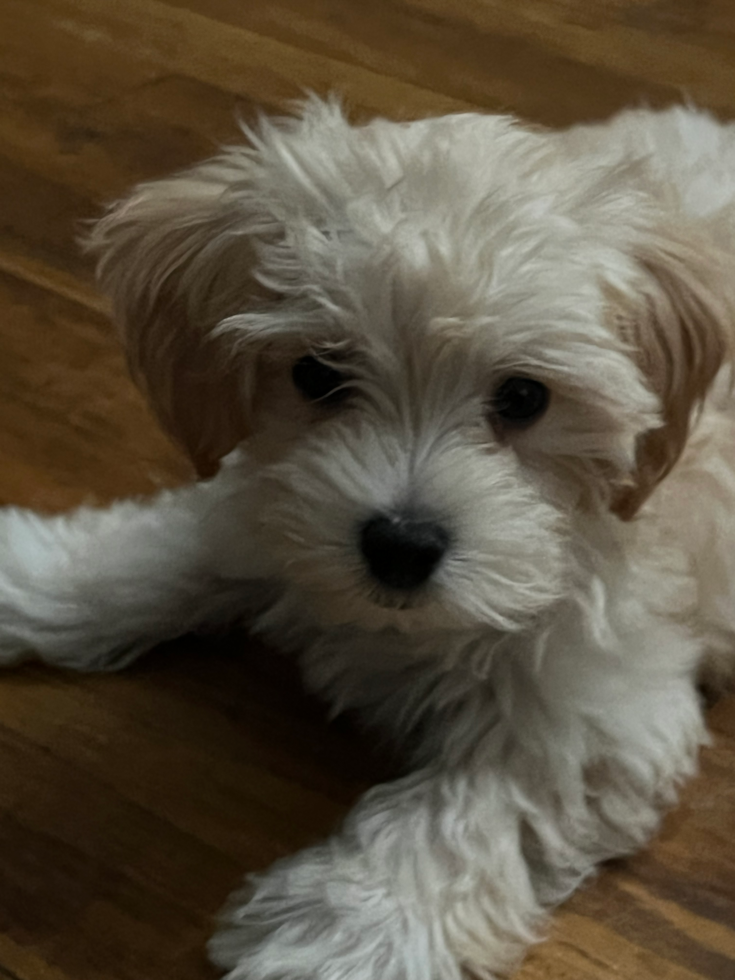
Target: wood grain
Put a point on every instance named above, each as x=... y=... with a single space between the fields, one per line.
x=130 y=805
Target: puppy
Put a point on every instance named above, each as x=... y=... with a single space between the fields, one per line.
x=458 y=391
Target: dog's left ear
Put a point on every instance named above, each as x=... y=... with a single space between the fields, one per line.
x=176 y=257
x=679 y=324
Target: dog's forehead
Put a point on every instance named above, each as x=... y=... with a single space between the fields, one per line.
x=445 y=230
x=451 y=209
x=329 y=160
x=429 y=173
x=438 y=275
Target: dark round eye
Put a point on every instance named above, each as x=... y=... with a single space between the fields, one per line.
x=319 y=382
x=520 y=400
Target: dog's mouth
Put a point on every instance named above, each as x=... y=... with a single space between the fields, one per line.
x=395 y=600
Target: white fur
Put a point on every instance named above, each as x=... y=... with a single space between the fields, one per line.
x=545 y=679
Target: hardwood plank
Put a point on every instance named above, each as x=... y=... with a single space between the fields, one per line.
x=643 y=40
x=488 y=60
x=131 y=804
x=235 y=59
x=143 y=850
x=73 y=425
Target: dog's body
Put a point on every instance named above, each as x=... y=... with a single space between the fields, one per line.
x=456 y=357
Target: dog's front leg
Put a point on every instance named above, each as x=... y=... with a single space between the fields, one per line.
x=92 y=589
x=450 y=871
x=430 y=879
x=424 y=878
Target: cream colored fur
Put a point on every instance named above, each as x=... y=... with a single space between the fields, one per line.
x=545 y=677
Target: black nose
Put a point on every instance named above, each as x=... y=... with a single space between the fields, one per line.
x=402 y=552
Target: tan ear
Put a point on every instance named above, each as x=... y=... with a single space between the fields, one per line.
x=680 y=326
x=176 y=258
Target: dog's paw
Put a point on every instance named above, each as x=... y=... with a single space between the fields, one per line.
x=292 y=939
x=24 y=594
x=299 y=923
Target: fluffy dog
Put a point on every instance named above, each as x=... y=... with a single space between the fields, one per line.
x=458 y=391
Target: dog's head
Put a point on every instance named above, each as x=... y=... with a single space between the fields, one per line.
x=441 y=341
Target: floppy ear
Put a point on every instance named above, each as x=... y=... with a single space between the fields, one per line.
x=680 y=326
x=176 y=258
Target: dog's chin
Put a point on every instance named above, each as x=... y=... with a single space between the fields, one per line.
x=404 y=615
x=398 y=600
x=375 y=609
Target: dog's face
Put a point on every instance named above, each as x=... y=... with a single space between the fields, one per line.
x=442 y=342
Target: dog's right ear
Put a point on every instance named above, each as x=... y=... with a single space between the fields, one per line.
x=176 y=257
x=678 y=322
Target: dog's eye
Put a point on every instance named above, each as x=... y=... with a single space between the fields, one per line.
x=520 y=400
x=319 y=382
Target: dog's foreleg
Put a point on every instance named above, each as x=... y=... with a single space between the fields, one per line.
x=427 y=879
x=450 y=871
x=93 y=589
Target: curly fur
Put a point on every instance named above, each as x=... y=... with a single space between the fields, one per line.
x=545 y=676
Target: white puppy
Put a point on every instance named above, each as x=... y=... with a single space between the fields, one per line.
x=449 y=364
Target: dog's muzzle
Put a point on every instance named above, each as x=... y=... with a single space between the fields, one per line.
x=402 y=552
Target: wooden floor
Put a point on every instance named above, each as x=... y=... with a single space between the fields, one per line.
x=131 y=804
